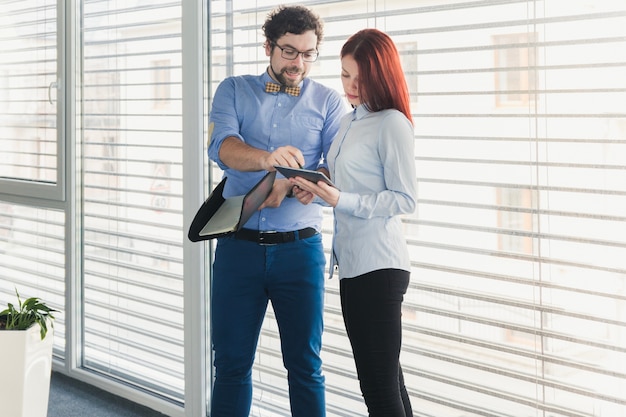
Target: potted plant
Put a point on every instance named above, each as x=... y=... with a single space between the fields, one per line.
x=25 y=358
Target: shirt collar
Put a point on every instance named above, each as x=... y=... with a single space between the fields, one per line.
x=360 y=112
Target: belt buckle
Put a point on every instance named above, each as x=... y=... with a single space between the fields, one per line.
x=262 y=237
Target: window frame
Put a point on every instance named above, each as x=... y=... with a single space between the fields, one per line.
x=13 y=187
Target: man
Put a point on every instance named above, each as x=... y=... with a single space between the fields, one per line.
x=278 y=256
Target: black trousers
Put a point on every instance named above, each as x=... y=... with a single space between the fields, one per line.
x=372 y=308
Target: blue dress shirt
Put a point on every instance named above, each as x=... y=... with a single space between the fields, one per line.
x=241 y=108
x=372 y=162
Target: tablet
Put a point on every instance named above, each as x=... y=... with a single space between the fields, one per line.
x=307 y=174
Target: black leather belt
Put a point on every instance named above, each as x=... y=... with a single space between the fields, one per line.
x=274 y=238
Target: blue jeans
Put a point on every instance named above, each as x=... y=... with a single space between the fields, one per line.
x=246 y=276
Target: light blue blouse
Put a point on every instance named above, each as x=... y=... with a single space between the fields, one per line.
x=372 y=162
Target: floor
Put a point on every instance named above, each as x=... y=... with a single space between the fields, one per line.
x=72 y=398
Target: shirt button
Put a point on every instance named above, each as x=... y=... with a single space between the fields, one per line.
x=274 y=125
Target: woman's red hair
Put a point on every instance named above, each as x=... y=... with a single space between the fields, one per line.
x=382 y=84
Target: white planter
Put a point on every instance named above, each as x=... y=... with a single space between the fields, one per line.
x=25 y=367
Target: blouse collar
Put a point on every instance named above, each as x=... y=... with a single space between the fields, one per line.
x=361 y=111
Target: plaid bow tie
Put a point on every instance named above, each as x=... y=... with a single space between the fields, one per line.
x=275 y=88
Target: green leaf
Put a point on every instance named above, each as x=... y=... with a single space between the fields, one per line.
x=32 y=311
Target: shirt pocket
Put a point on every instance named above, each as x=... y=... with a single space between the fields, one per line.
x=306 y=135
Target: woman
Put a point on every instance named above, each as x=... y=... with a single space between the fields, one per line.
x=372 y=165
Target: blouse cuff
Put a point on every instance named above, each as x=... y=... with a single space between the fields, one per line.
x=347 y=202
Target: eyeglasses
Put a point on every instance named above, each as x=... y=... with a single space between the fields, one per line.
x=290 y=53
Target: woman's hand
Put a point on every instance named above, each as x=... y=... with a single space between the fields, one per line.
x=305 y=191
x=303 y=196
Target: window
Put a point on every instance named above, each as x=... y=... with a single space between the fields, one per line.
x=408 y=55
x=132 y=188
x=515 y=58
x=161 y=82
x=516 y=220
x=30 y=137
x=517 y=300
x=32 y=260
x=517 y=207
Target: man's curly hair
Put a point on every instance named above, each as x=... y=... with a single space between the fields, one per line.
x=292 y=19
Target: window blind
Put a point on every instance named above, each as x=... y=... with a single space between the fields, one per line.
x=32 y=247
x=32 y=261
x=28 y=91
x=516 y=305
x=131 y=150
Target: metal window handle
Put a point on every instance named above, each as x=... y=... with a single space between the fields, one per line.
x=55 y=85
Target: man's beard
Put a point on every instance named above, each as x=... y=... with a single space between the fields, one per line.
x=287 y=82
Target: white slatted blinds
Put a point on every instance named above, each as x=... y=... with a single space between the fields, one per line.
x=517 y=300
x=32 y=238
x=517 y=304
x=132 y=190
x=32 y=261
x=28 y=95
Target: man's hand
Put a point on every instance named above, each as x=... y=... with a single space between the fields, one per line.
x=289 y=156
x=281 y=188
x=240 y=156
